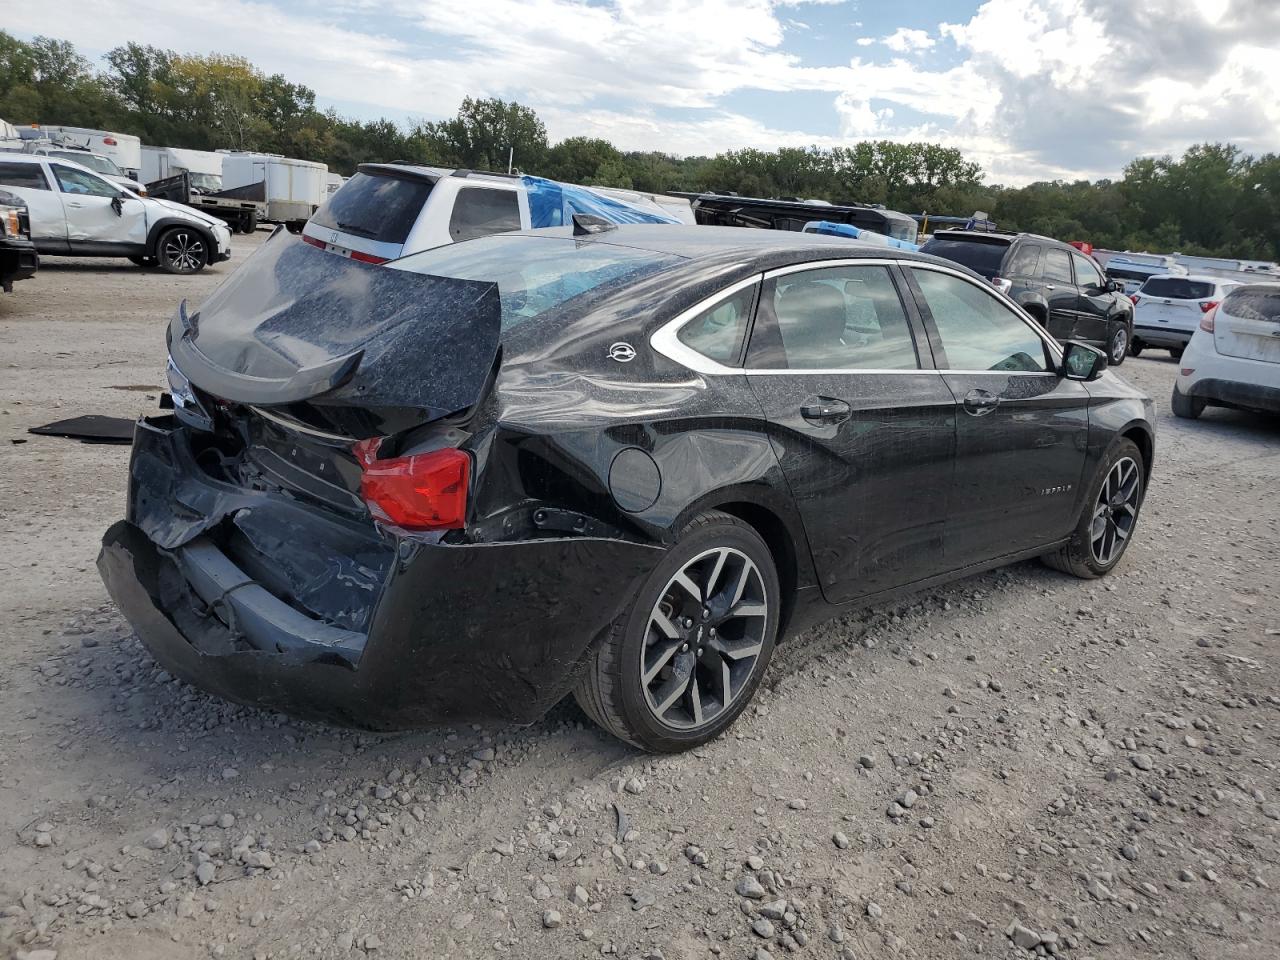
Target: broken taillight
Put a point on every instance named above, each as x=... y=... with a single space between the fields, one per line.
x=423 y=491
x=1207 y=305
x=1206 y=322
x=1001 y=284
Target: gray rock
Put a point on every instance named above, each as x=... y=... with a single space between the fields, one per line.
x=761 y=927
x=867 y=761
x=205 y=873
x=551 y=919
x=908 y=799
x=774 y=909
x=1271 y=811
x=136 y=910
x=634 y=785
x=840 y=840
x=1129 y=852
x=750 y=888
x=798 y=804
x=1142 y=761
x=695 y=855
x=874 y=910
x=579 y=896
x=1024 y=937
x=156 y=840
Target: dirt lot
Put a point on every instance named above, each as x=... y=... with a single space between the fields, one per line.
x=1080 y=769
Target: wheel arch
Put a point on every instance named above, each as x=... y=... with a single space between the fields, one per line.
x=165 y=223
x=1037 y=306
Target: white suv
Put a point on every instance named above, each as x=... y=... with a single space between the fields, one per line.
x=1168 y=308
x=75 y=212
x=1233 y=360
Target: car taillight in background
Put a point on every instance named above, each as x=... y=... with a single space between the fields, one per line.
x=423 y=491
x=343 y=252
x=1206 y=322
x=1207 y=305
x=109 y=141
x=1004 y=286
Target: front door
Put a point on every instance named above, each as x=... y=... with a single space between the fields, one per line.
x=1021 y=428
x=95 y=212
x=863 y=427
x=1095 y=303
x=1059 y=292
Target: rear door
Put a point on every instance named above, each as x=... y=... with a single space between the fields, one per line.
x=1059 y=292
x=95 y=213
x=31 y=182
x=863 y=427
x=1021 y=429
x=1247 y=324
x=1095 y=302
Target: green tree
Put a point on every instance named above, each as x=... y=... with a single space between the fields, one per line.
x=485 y=133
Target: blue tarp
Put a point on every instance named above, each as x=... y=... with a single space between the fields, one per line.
x=553 y=204
x=855 y=233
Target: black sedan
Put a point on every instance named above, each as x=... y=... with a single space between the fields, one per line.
x=621 y=462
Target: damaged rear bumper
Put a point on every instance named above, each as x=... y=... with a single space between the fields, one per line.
x=456 y=632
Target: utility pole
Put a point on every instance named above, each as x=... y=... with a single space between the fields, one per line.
x=511 y=156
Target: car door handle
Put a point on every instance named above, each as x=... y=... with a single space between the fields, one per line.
x=1050 y=286
x=978 y=403
x=825 y=410
x=74 y=203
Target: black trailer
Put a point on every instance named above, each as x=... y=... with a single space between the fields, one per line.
x=241 y=212
x=728 y=210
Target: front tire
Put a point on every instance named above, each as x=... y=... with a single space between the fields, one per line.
x=1110 y=516
x=677 y=668
x=182 y=250
x=1118 y=345
x=1188 y=408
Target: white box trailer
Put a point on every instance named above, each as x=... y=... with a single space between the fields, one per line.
x=125 y=149
x=203 y=167
x=291 y=189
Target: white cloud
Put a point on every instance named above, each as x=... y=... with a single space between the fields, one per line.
x=1031 y=88
x=904 y=40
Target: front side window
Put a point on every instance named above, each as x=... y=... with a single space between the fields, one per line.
x=839 y=318
x=1087 y=274
x=717 y=333
x=480 y=211
x=83 y=183
x=28 y=175
x=977 y=331
x=1057 y=265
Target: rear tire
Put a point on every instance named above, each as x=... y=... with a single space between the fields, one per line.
x=182 y=250
x=676 y=669
x=1106 y=524
x=1135 y=347
x=1176 y=352
x=1188 y=408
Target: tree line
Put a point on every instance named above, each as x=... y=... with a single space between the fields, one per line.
x=1214 y=200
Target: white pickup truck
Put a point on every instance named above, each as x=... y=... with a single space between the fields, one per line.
x=389 y=210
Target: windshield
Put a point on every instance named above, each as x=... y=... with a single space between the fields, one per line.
x=208 y=182
x=901 y=228
x=1177 y=288
x=981 y=256
x=536 y=274
x=91 y=160
x=379 y=208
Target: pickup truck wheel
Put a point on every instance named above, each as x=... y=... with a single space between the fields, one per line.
x=147 y=262
x=1118 y=345
x=182 y=250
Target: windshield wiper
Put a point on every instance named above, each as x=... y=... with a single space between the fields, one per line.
x=358 y=231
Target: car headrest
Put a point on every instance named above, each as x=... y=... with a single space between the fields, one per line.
x=813 y=309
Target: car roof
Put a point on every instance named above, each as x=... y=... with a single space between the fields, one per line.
x=696 y=242
x=998 y=236
x=1198 y=277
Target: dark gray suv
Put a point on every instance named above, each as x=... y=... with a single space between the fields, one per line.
x=1053 y=281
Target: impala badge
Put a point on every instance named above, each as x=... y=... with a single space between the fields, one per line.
x=622 y=352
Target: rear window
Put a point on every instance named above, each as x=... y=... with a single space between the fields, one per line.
x=91 y=160
x=981 y=256
x=1177 y=288
x=535 y=275
x=1254 y=303
x=27 y=175
x=383 y=209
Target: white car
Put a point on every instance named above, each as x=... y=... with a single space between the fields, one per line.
x=1233 y=360
x=99 y=164
x=75 y=212
x=1167 y=309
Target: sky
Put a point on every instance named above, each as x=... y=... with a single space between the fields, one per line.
x=1031 y=89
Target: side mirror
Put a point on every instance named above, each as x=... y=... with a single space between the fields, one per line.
x=1081 y=361
x=117 y=204
x=1115 y=286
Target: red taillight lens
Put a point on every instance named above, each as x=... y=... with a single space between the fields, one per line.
x=1187 y=371
x=424 y=491
x=1135 y=298
x=1206 y=322
x=367 y=257
x=1004 y=286
x=313 y=241
x=1207 y=305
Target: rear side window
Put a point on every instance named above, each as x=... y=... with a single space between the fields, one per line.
x=382 y=209
x=479 y=211
x=718 y=333
x=1057 y=265
x=837 y=318
x=982 y=256
x=1254 y=303
x=1025 y=261
x=28 y=175
x=1177 y=288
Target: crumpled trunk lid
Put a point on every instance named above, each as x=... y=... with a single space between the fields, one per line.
x=295 y=325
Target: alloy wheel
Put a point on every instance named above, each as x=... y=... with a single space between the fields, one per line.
x=704 y=638
x=1119 y=344
x=1116 y=511
x=184 y=251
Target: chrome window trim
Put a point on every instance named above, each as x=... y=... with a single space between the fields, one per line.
x=665 y=339
x=302 y=428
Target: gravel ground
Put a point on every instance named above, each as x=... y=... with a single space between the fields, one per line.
x=1019 y=764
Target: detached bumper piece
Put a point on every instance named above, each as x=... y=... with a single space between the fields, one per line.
x=453 y=632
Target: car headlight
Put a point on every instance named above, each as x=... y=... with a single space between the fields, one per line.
x=186 y=405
